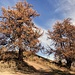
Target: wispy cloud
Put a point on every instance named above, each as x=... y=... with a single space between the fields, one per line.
x=67 y=7
x=44 y=38
x=45 y=42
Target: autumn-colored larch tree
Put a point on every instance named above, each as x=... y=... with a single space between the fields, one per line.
x=63 y=40
x=17 y=22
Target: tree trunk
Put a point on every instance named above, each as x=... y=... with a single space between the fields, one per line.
x=20 y=57
x=69 y=61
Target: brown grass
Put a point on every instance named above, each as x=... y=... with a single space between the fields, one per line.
x=32 y=65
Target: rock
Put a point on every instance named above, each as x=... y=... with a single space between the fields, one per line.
x=73 y=66
x=64 y=62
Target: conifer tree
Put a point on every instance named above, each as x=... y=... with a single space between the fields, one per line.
x=63 y=40
x=17 y=21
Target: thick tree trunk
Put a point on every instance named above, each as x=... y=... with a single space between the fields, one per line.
x=20 y=57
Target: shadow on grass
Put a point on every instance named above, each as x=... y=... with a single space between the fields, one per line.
x=55 y=72
x=23 y=67
x=19 y=66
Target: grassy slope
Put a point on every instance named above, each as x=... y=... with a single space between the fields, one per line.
x=32 y=65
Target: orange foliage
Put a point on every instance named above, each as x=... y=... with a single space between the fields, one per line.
x=63 y=37
x=17 y=21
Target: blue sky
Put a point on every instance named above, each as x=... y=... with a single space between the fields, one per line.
x=47 y=11
x=50 y=11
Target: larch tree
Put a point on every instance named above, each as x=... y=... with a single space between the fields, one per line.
x=17 y=22
x=63 y=40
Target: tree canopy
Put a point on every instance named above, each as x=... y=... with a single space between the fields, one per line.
x=17 y=22
x=63 y=39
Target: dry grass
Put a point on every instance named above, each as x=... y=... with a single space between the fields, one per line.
x=32 y=65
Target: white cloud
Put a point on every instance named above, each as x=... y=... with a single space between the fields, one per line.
x=67 y=7
x=43 y=39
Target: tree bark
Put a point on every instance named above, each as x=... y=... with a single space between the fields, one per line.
x=69 y=61
x=20 y=56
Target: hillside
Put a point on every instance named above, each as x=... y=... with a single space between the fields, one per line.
x=32 y=65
